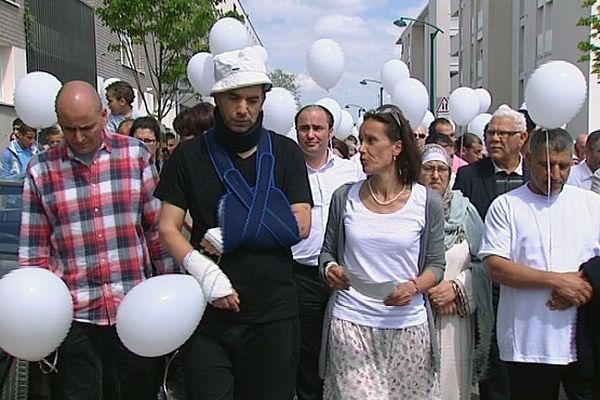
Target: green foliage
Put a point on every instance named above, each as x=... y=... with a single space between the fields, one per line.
x=166 y=33
x=236 y=15
x=590 y=48
x=286 y=80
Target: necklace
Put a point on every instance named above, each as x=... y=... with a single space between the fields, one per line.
x=384 y=203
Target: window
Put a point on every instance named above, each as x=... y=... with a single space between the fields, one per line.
x=548 y=43
x=131 y=55
x=539 y=46
x=12 y=68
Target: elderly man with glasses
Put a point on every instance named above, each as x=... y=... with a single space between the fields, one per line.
x=483 y=181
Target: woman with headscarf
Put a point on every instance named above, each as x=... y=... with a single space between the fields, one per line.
x=462 y=301
x=383 y=250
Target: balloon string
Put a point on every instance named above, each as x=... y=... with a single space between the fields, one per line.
x=548 y=188
x=166 y=374
x=48 y=367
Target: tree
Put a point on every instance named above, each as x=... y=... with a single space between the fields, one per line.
x=591 y=47
x=286 y=80
x=167 y=32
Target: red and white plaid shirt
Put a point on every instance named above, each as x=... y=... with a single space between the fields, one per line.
x=95 y=226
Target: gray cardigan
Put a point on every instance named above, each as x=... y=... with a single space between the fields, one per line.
x=432 y=259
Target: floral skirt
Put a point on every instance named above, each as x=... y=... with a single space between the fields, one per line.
x=365 y=363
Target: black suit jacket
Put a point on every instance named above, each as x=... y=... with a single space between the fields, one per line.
x=476 y=181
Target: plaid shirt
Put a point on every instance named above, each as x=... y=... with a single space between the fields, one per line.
x=95 y=226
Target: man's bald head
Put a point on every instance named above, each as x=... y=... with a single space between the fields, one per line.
x=75 y=94
x=81 y=116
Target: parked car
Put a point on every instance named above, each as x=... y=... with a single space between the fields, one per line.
x=13 y=373
x=10 y=223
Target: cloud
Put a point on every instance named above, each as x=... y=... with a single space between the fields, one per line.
x=363 y=29
x=306 y=84
x=342 y=25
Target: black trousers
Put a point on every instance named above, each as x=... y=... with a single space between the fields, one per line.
x=226 y=361
x=93 y=364
x=313 y=294
x=5 y=363
x=496 y=385
x=542 y=381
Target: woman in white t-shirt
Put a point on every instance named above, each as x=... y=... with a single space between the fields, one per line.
x=463 y=300
x=383 y=249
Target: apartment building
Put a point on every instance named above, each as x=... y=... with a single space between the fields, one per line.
x=497 y=44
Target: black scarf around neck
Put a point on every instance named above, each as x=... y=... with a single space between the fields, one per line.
x=236 y=142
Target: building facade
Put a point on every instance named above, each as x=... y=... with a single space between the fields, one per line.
x=13 y=62
x=497 y=44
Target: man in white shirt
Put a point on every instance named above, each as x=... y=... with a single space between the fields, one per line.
x=326 y=172
x=533 y=246
x=581 y=174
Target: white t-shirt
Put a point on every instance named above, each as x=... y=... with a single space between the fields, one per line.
x=581 y=176
x=382 y=248
x=323 y=182
x=556 y=234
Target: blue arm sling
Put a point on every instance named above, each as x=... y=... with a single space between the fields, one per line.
x=258 y=217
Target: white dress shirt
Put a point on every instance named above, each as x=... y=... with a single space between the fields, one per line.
x=323 y=182
x=581 y=176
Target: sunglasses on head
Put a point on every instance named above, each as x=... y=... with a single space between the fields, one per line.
x=393 y=111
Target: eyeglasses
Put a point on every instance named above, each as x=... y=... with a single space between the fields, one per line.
x=430 y=169
x=502 y=134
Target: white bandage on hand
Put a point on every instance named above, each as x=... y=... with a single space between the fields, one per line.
x=215 y=237
x=213 y=281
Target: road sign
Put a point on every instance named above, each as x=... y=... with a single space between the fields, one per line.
x=442 y=108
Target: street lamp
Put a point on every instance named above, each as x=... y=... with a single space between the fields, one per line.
x=402 y=23
x=361 y=109
x=365 y=81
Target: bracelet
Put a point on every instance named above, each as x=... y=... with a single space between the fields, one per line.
x=414 y=281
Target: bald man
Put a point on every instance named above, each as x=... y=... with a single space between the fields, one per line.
x=90 y=217
x=580 y=141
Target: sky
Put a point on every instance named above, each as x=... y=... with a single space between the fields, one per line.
x=364 y=30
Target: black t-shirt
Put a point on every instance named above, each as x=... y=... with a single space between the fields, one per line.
x=264 y=279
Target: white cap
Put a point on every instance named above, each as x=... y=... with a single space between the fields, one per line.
x=435 y=152
x=239 y=68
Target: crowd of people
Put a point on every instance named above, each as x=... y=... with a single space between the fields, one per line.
x=401 y=264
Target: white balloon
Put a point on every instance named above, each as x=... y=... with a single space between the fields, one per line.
x=158 y=315
x=410 y=95
x=325 y=62
x=262 y=52
x=359 y=122
x=427 y=119
x=279 y=110
x=554 y=93
x=392 y=72
x=201 y=72
x=346 y=124
x=334 y=108
x=34 y=98
x=485 y=99
x=463 y=105
x=105 y=84
x=292 y=134
x=477 y=125
x=227 y=34
x=36 y=311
